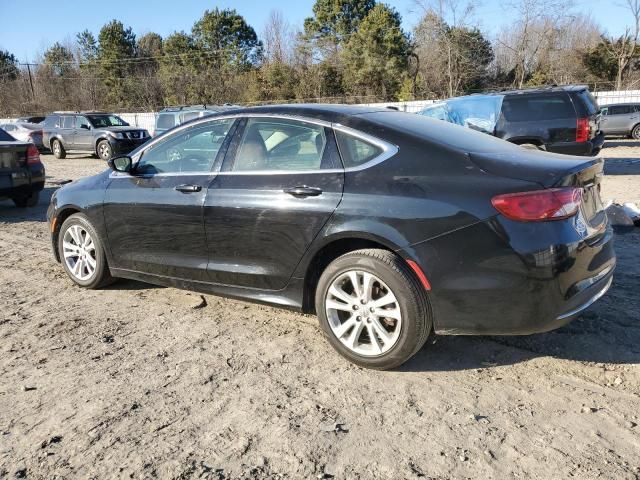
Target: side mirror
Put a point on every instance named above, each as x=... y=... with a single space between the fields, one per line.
x=85 y=126
x=120 y=164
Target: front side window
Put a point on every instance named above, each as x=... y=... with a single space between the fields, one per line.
x=82 y=122
x=355 y=151
x=192 y=150
x=280 y=144
x=620 y=110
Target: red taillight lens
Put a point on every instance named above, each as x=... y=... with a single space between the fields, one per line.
x=33 y=155
x=539 y=205
x=582 y=130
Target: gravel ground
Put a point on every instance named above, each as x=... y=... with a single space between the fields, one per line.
x=137 y=381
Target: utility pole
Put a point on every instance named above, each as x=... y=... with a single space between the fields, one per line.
x=33 y=94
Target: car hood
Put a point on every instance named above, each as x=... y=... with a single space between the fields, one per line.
x=119 y=129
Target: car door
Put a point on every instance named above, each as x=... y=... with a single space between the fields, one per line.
x=281 y=181
x=67 y=130
x=154 y=215
x=616 y=119
x=83 y=138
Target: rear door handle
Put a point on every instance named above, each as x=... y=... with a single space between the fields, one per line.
x=188 y=188
x=303 y=191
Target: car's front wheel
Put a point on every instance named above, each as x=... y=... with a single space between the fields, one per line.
x=82 y=253
x=372 y=309
x=104 y=150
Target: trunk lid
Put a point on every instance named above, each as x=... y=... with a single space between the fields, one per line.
x=13 y=155
x=552 y=171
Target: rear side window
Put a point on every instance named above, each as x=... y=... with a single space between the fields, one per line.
x=531 y=108
x=166 y=120
x=67 y=122
x=190 y=116
x=279 y=144
x=588 y=101
x=51 y=121
x=621 y=109
x=355 y=151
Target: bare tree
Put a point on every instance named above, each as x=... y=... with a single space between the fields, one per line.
x=624 y=49
x=278 y=37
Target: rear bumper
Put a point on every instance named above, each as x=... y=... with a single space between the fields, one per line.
x=591 y=147
x=507 y=278
x=22 y=182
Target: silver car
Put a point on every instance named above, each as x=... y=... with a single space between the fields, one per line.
x=621 y=119
x=25 y=132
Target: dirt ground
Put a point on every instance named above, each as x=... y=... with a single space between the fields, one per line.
x=137 y=381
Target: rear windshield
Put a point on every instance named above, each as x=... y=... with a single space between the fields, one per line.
x=5 y=137
x=589 y=102
x=166 y=120
x=533 y=108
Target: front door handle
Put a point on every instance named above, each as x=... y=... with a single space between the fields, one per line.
x=188 y=188
x=303 y=191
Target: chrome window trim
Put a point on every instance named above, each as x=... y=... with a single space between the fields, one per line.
x=388 y=149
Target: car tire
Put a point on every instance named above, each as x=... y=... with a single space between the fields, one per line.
x=104 y=150
x=89 y=268
x=635 y=132
x=399 y=334
x=58 y=149
x=29 y=201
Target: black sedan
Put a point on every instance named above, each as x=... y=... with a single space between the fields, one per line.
x=387 y=225
x=21 y=172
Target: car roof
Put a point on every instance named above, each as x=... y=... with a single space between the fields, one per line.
x=320 y=111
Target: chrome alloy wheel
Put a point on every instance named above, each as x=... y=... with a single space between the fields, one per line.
x=79 y=252
x=56 y=147
x=104 y=150
x=363 y=313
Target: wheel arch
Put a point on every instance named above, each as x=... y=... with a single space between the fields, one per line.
x=61 y=216
x=97 y=141
x=52 y=139
x=523 y=140
x=331 y=249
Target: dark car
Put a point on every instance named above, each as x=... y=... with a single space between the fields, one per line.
x=387 y=225
x=170 y=117
x=99 y=133
x=557 y=119
x=21 y=172
x=621 y=119
x=34 y=119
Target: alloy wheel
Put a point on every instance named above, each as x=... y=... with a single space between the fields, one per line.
x=363 y=313
x=104 y=150
x=56 y=148
x=79 y=252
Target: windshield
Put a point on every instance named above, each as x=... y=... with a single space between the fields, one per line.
x=100 y=121
x=479 y=113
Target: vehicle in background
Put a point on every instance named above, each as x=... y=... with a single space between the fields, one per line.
x=621 y=119
x=99 y=133
x=170 y=117
x=25 y=132
x=557 y=119
x=34 y=119
x=21 y=172
x=388 y=225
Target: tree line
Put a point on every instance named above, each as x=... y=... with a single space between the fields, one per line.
x=346 y=51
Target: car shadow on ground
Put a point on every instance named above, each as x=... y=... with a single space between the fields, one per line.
x=9 y=213
x=608 y=332
x=620 y=142
x=622 y=166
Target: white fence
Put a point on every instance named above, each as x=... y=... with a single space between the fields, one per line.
x=147 y=119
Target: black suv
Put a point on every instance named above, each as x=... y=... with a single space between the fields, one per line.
x=104 y=134
x=557 y=119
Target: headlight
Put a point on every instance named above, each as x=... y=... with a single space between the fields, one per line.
x=119 y=135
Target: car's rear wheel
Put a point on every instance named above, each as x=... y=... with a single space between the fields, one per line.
x=82 y=253
x=27 y=201
x=104 y=150
x=58 y=150
x=372 y=309
x=635 y=133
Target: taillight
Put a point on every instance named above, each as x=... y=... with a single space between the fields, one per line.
x=33 y=155
x=539 y=205
x=582 y=130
